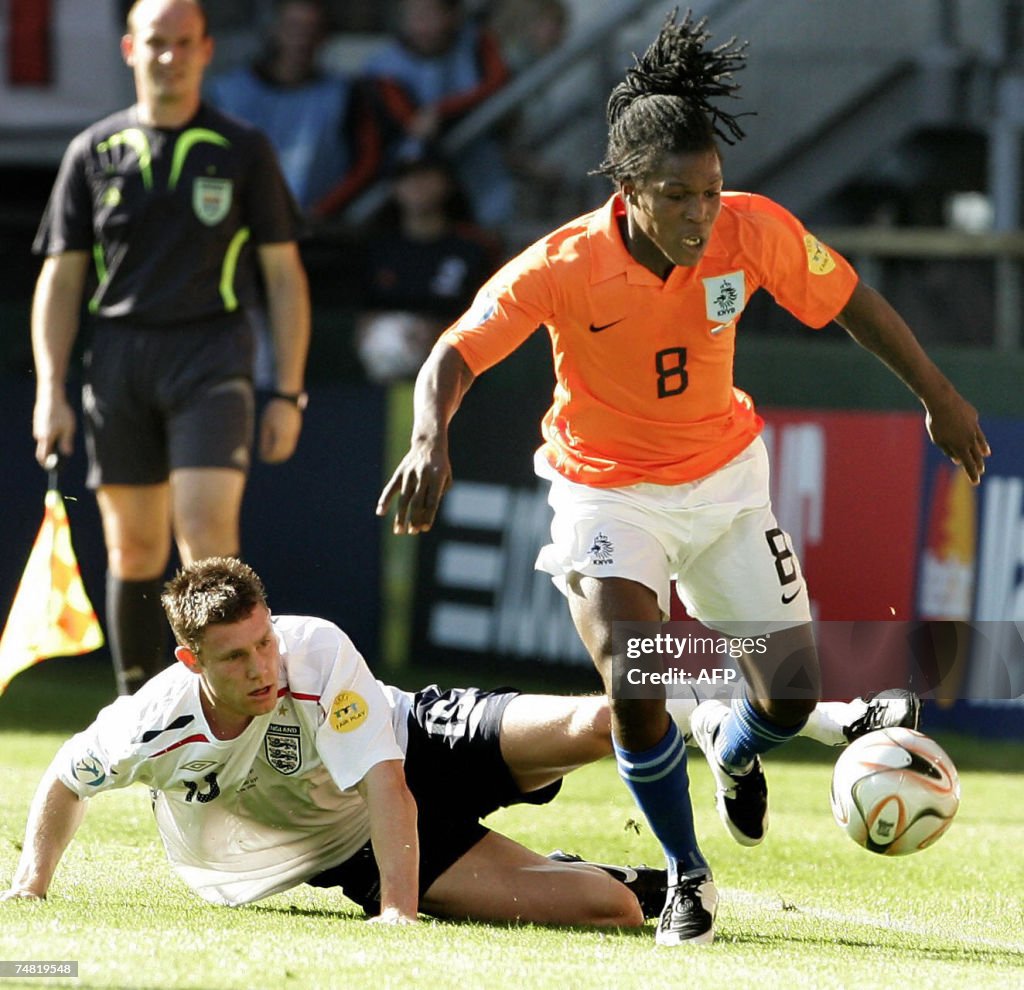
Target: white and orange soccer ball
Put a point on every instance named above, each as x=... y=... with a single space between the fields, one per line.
x=894 y=791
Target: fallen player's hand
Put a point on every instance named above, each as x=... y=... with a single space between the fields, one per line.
x=17 y=894
x=392 y=916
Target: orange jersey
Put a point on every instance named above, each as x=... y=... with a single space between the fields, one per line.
x=644 y=367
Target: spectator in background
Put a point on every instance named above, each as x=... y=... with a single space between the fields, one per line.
x=420 y=268
x=323 y=125
x=527 y=30
x=533 y=137
x=438 y=68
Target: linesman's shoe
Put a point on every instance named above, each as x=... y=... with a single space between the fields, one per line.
x=649 y=885
x=741 y=799
x=885 y=710
x=688 y=917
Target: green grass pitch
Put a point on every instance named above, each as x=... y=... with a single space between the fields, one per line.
x=807 y=909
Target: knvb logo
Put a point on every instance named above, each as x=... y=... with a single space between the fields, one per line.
x=725 y=302
x=725 y=297
x=602 y=550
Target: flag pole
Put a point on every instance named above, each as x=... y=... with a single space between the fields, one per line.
x=52 y=465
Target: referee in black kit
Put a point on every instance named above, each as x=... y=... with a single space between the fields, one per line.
x=167 y=221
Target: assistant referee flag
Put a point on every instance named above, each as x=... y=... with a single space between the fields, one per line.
x=51 y=615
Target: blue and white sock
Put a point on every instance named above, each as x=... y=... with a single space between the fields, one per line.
x=745 y=733
x=658 y=781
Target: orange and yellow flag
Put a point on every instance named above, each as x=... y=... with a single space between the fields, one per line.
x=51 y=615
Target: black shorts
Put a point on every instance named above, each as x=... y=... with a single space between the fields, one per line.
x=159 y=399
x=456 y=773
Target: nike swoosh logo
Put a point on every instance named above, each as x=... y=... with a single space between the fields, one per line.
x=605 y=326
x=624 y=874
x=786 y=599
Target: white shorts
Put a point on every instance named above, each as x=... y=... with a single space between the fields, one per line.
x=717 y=537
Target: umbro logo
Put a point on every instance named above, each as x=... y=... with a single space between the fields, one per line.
x=605 y=326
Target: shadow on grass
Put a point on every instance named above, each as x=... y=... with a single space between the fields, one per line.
x=909 y=945
x=59 y=695
x=356 y=914
x=967 y=752
x=348 y=912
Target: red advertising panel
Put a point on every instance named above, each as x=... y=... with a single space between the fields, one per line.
x=847 y=488
x=28 y=42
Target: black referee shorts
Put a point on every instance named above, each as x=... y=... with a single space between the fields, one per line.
x=158 y=399
x=455 y=771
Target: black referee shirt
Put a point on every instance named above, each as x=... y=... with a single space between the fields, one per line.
x=171 y=217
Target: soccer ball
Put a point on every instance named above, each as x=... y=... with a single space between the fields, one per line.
x=894 y=791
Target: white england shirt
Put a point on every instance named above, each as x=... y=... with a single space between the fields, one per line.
x=245 y=818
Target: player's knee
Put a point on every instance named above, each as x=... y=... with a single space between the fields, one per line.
x=593 y=720
x=207 y=536
x=632 y=915
x=603 y=723
x=789 y=712
x=617 y=908
x=139 y=560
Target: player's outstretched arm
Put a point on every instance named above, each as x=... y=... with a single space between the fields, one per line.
x=53 y=818
x=951 y=420
x=396 y=847
x=424 y=474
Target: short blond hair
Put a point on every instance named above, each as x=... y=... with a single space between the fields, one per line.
x=209 y=592
x=133 y=10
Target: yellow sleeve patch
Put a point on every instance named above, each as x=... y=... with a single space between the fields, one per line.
x=348 y=711
x=819 y=261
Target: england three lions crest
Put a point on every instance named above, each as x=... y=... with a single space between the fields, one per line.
x=283 y=748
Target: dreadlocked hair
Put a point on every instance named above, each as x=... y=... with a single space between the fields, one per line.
x=663 y=106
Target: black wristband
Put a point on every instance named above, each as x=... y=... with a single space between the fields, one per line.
x=298 y=399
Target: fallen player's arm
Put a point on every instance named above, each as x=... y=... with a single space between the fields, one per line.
x=53 y=818
x=395 y=844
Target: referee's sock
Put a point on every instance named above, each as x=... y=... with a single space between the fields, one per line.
x=136 y=631
x=658 y=781
x=745 y=733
